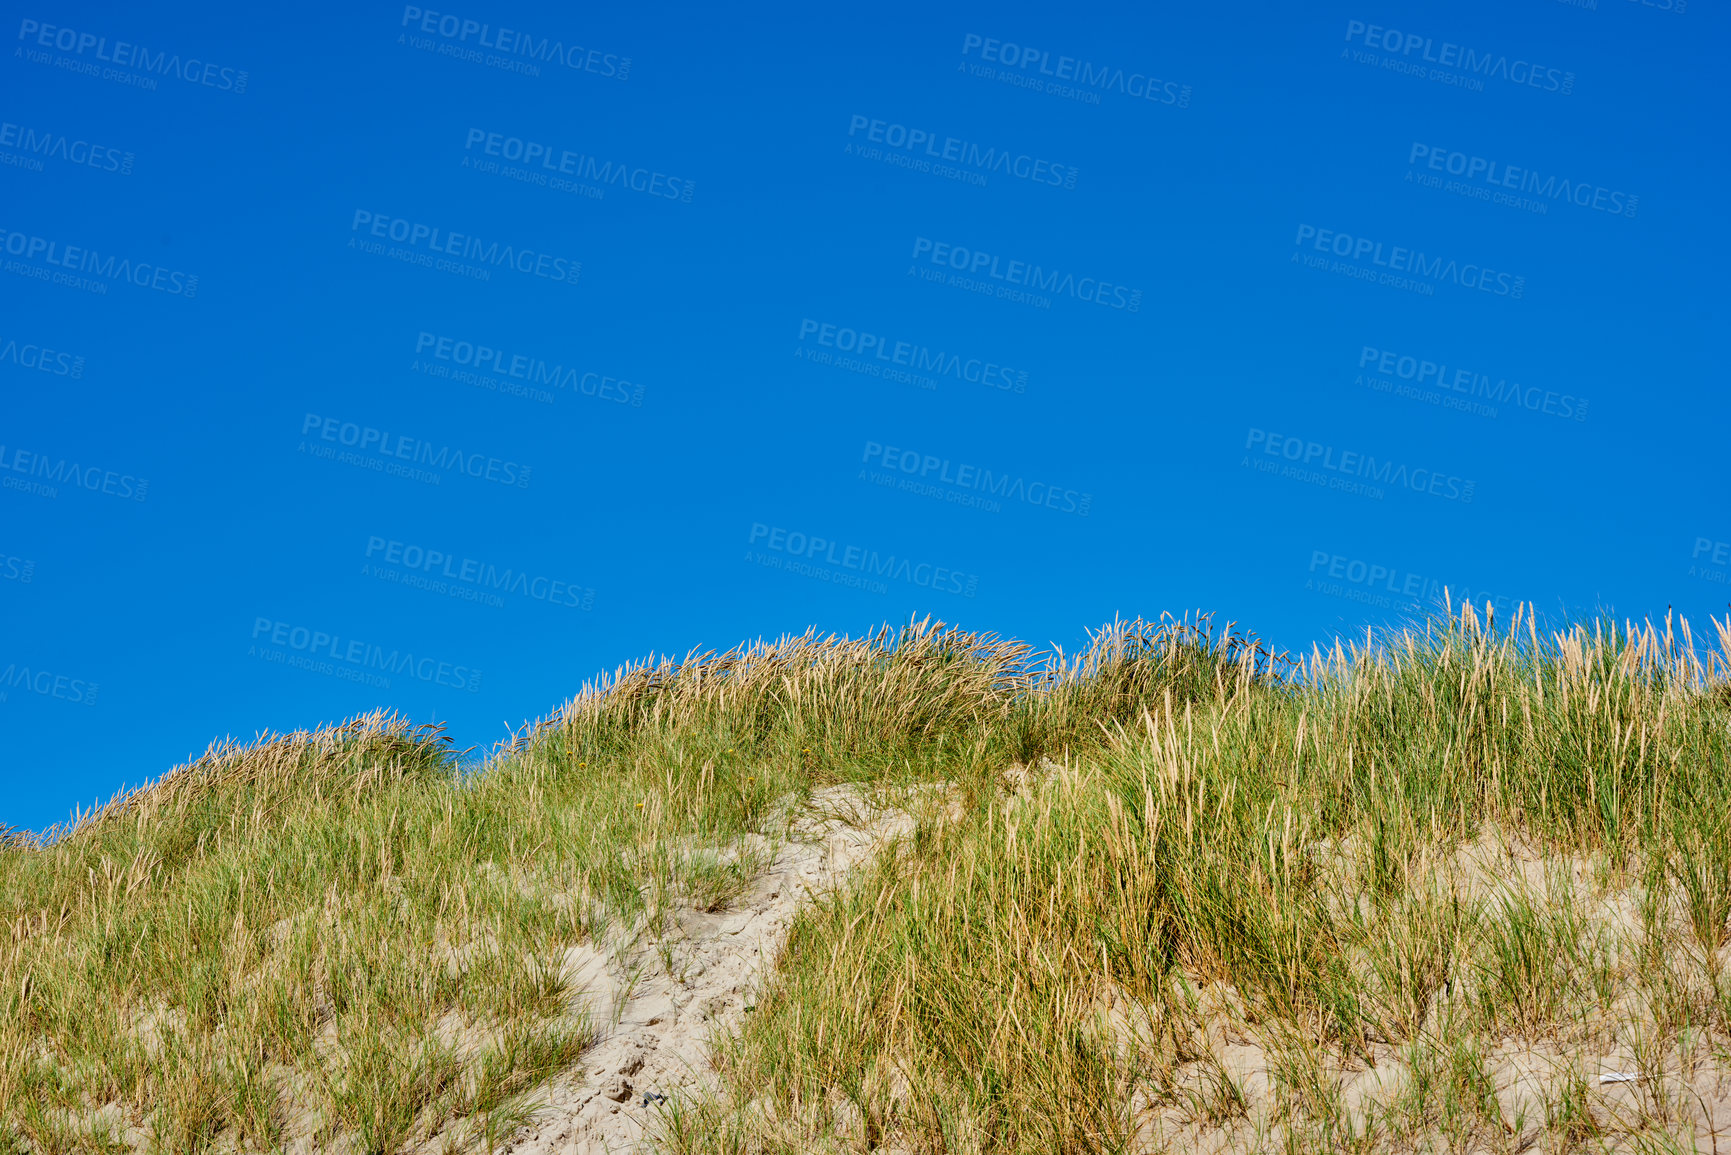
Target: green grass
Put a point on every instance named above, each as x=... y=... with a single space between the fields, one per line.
x=1407 y=859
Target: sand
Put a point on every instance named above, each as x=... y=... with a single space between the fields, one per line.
x=656 y=1030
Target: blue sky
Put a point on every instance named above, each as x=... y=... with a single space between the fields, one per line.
x=527 y=341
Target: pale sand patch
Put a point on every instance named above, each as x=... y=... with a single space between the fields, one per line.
x=1644 y=1091
x=656 y=1020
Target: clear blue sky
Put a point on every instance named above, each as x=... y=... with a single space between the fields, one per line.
x=519 y=341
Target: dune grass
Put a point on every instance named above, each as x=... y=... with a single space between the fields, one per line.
x=1174 y=849
x=1423 y=856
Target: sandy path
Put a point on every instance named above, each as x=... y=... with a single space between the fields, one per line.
x=655 y=1043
